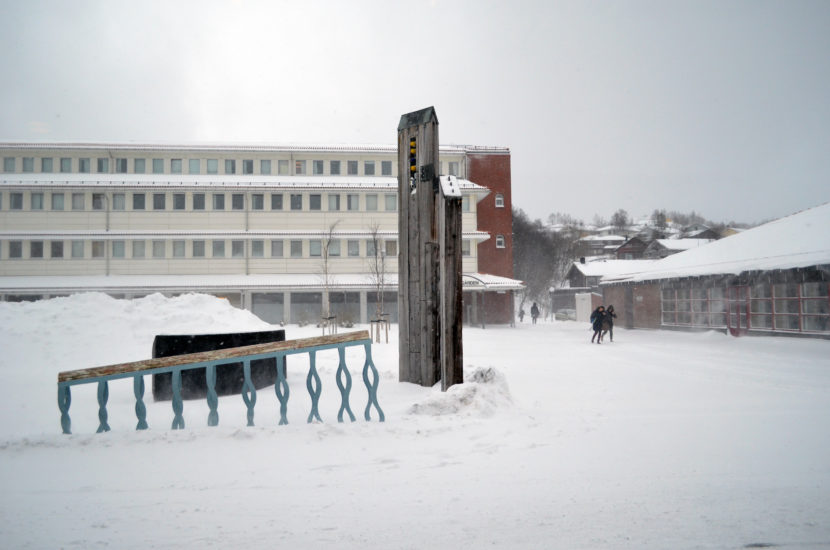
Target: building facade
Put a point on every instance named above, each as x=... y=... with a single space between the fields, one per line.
x=277 y=230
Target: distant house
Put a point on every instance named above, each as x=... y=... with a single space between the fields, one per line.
x=598 y=245
x=772 y=279
x=632 y=249
x=660 y=248
x=700 y=232
x=585 y=277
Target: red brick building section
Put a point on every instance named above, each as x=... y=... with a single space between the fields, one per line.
x=491 y=169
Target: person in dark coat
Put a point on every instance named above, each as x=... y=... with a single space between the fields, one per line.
x=597 y=317
x=534 y=312
x=608 y=323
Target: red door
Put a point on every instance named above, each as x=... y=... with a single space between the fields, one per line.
x=738 y=313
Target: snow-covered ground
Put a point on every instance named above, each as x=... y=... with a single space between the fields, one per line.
x=660 y=440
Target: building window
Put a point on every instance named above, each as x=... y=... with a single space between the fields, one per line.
x=353 y=248
x=15 y=250
x=99 y=249
x=178 y=249
x=299 y=167
x=198 y=249
x=296 y=201
x=28 y=164
x=352 y=202
x=139 y=249
x=158 y=166
x=159 y=201
x=265 y=167
x=248 y=166
x=391 y=247
x=84 y=166
x=315 y=201
x=175 y=166
x=276 y=249
x=282 y=167
x=139 y=166
x=371 y=202
x=499 y=200
x=369 y=168
x=16 y=201
x=230 y=166
x=237 y=201
x=98 y=200
x=257 y=201
x=178 y=201
x=117 y=249
x=36 y=249
x=46 y=165
x=334 y=248
x=371 y=248
x=218 y=249
x=334 y=202
x=386 y=168
x=78 y=202
x=815 y=307
x=103 y=166
x=315 y=248
x=37 y=201
x=121 y=166
x=257 y=249
x=465 y=203
x=57 y=201
x=453 y=168
x=317 y=167
x=56 y=249
x=138 y=201
x=212 y=166
x=276 y=201
x=119 y=201
x=198 y=201
x=159 y=250
x=390 y=202
x=351 y=167
x=9 y=164
x=334 y=167
x=66 y=165
x=77 y=249
x=237 y=249
x=465 y=247
x=500 y=241
x=218 y=201
x=194 y=166
x=296 y=249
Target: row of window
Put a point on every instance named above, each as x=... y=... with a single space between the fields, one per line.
x=57 y=201
x=785 y=306
x=282 y=167
x=199 y=248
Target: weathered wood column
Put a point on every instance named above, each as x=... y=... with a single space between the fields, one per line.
x=448 y=208
x=422 y=265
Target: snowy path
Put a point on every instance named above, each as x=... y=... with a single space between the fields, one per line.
x=659 y=440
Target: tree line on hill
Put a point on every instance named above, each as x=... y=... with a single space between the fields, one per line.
x=544 y=252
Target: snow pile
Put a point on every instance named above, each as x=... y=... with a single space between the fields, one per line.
x=482 y=394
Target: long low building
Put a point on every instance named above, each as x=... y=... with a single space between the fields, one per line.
x=772 y=279
x=277 y=230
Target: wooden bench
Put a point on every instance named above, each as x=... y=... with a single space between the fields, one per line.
x=209 y=360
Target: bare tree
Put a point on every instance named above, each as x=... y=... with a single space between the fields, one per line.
x=620 y=219
x=376 y=260
x=325 y=271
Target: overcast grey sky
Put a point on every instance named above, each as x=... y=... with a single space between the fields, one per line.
x=722 y=107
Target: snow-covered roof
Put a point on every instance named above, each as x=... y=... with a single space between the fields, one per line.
x=184 y=283
x=618 y=238
x=612 y=267
x=682 y=244
x=799 y=240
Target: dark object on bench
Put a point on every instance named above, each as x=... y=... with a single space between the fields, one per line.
x=229 y=378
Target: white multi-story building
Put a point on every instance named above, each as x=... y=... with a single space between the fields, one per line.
x=274 y=229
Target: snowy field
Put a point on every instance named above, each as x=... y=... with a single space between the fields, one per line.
x=660 y=440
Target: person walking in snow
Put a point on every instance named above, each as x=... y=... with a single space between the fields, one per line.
x=534 y=312
x=608 y=323
x=597 y=317
x=521 y=314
